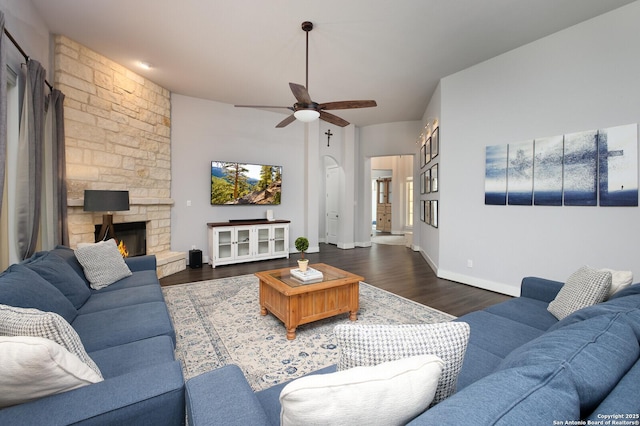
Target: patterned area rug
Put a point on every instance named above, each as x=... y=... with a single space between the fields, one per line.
x=218 y=322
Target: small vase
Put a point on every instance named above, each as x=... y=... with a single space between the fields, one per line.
x=303 y=264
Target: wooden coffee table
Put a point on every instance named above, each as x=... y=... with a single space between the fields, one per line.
x=296 y=303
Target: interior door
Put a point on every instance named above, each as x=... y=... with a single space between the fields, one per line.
x=333 y=205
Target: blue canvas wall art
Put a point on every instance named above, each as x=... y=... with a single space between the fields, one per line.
x=520 y=174
x=618 y=162
x=495 y=175
x=547 y=167
x=577 y=169
x=581 y=168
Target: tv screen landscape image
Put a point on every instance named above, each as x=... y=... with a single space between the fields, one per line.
x=245 y=184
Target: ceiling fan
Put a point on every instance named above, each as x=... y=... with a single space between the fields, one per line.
x=307 y=110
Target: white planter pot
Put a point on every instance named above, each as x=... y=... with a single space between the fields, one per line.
x=303 y=264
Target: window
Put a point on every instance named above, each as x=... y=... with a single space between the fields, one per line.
x=409 y=198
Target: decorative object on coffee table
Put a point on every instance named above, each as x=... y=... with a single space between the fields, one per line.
x=302 y=244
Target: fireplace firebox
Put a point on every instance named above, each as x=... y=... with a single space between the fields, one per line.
x=132 y=234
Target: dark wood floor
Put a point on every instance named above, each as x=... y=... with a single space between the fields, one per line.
x=393 y=268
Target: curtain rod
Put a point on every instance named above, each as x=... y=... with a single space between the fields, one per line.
x=24 y=54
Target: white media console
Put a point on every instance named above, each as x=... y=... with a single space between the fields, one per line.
x=247 y=240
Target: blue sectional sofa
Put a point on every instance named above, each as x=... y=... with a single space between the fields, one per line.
x=522 y=366
x=125 y=329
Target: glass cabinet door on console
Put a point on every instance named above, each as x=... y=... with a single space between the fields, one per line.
x=243 y=243
x=263 y=240
x=223 y=248
x=280 y=240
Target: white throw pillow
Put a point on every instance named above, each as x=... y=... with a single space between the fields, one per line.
x=391 y=393
x=49 y=325
x=619 y=280
x=102 y=263
x=372 y=344
x=585 y=287
x=34 y=367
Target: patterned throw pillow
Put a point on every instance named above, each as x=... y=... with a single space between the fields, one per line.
x=583 y=288
x=372 y=344
x=49 y=325
x=102 y=263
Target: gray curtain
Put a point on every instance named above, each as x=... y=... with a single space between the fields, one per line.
x=3 y=108
x=29 y=181
x=61 y=230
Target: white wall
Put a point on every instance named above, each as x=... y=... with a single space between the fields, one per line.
x=581 y=78
x=203 y=131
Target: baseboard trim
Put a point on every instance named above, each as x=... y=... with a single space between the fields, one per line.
x=480 y=283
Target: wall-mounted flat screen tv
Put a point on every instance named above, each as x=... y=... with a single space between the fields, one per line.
x=245 y=184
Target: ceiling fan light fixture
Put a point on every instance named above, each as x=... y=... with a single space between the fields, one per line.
x=306 y=115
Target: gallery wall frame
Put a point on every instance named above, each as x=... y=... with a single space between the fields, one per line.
x=427 y=181
x=435 y=142
x=433 y=209
x=423 y=156
x=434 y=178
x=423 y=207
x=422 y=183
x=427 y=152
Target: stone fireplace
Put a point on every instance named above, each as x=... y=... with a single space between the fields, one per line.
x=118 y=137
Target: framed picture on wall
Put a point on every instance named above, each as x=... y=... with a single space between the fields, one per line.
x=434 y=213
x=427 y=213
x=427 y=151
x=422 y=182
x=423 y=206
x=427 y=181
x=422 y=156
x=434 y=178
x=435 y=143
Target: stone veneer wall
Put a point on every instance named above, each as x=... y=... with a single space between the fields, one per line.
x=118 y=137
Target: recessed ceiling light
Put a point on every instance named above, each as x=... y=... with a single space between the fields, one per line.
x=145 y=65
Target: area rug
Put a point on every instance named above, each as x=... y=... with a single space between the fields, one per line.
x=218 y=322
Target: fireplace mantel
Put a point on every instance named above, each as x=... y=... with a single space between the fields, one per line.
x=136 y=201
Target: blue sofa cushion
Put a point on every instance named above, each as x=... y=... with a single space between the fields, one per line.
x=69 y=256
x=531 y=312
x=589 y=356
x=102 y=301
x=126 y=324
x=506 y=334
x=223 y=397
x=138 y=279
x=560 y=375
x=24 y=288
x=624 y=398
x=134 y=356
x=477 y=364
x=610 y=307
x=61 y=275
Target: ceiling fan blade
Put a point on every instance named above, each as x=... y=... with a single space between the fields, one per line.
x=262 y=106
x=348 y=104
x=301 y=94
x=290 y=119
x=333 y=119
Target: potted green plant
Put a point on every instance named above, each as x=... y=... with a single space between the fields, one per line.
x=302 y=244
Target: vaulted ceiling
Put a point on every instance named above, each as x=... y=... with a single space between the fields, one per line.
x=247 y=51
